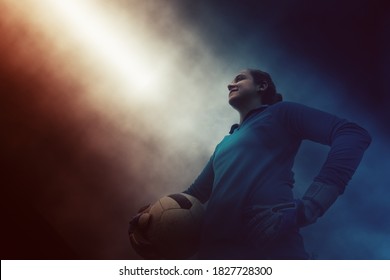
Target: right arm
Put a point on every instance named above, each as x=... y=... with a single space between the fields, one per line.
x=202 y=186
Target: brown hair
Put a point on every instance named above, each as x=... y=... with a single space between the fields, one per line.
x=269 y=96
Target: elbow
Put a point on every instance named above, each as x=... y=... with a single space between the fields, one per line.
x=190 y=191
x=365 y=137
x=356 y=134
x=368 y=138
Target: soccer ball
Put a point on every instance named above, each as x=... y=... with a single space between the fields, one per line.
x=175 y=226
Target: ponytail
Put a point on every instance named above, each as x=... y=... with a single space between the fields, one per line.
x=277 y=98
x=269 y=96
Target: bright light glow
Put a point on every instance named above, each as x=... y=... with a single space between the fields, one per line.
x=120 y=49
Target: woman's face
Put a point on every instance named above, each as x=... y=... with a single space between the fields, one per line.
x=243 y=89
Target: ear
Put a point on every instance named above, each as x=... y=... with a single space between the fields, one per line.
x=262 y=86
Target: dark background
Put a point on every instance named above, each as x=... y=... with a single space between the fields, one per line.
x=63 y=198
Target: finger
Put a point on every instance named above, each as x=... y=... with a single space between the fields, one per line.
x=139 y=240
x=143 y=220
x=259 y=219
x=145 y=250
x=266 y=226
x=145 y=208
x=284 y=206
x=133 y=224
x=254 y=210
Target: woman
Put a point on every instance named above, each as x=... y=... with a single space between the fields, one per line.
x=247 y=183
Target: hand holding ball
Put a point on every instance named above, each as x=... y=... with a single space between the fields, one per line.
x=168 y=229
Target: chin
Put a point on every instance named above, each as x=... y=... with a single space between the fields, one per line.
x=234 y=102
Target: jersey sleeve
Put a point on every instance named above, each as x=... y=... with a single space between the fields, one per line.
x=347 y=140
x=203 y=184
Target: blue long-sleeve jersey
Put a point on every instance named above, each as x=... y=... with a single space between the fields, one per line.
x=253 y=165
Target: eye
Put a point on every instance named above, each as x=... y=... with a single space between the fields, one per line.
x=240 y=78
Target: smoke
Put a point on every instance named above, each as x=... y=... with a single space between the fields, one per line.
x=99 y=144
x=108 y=106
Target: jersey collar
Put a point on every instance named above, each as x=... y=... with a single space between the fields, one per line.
x=250 y=113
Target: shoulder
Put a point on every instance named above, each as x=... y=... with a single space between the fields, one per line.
x=287 y=108
x=287 y=105
x=284 y=108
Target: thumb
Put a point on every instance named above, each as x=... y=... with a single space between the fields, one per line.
x=144 y=220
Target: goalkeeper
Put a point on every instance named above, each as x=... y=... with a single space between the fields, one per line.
x=247 y=183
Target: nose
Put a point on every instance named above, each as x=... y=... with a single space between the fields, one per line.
x=230 y=87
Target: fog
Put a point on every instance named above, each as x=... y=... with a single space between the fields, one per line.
x=107 y=107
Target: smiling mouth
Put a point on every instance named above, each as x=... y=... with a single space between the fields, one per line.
x=233 y=90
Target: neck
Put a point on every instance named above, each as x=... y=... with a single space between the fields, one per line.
x=244 y=111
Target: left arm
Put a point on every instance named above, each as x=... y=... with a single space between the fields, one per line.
x=347 y=142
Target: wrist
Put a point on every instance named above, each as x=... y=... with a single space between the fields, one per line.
x=316 y=201
x=309 y=213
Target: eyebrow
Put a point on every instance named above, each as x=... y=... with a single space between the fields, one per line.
x=239 y=76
